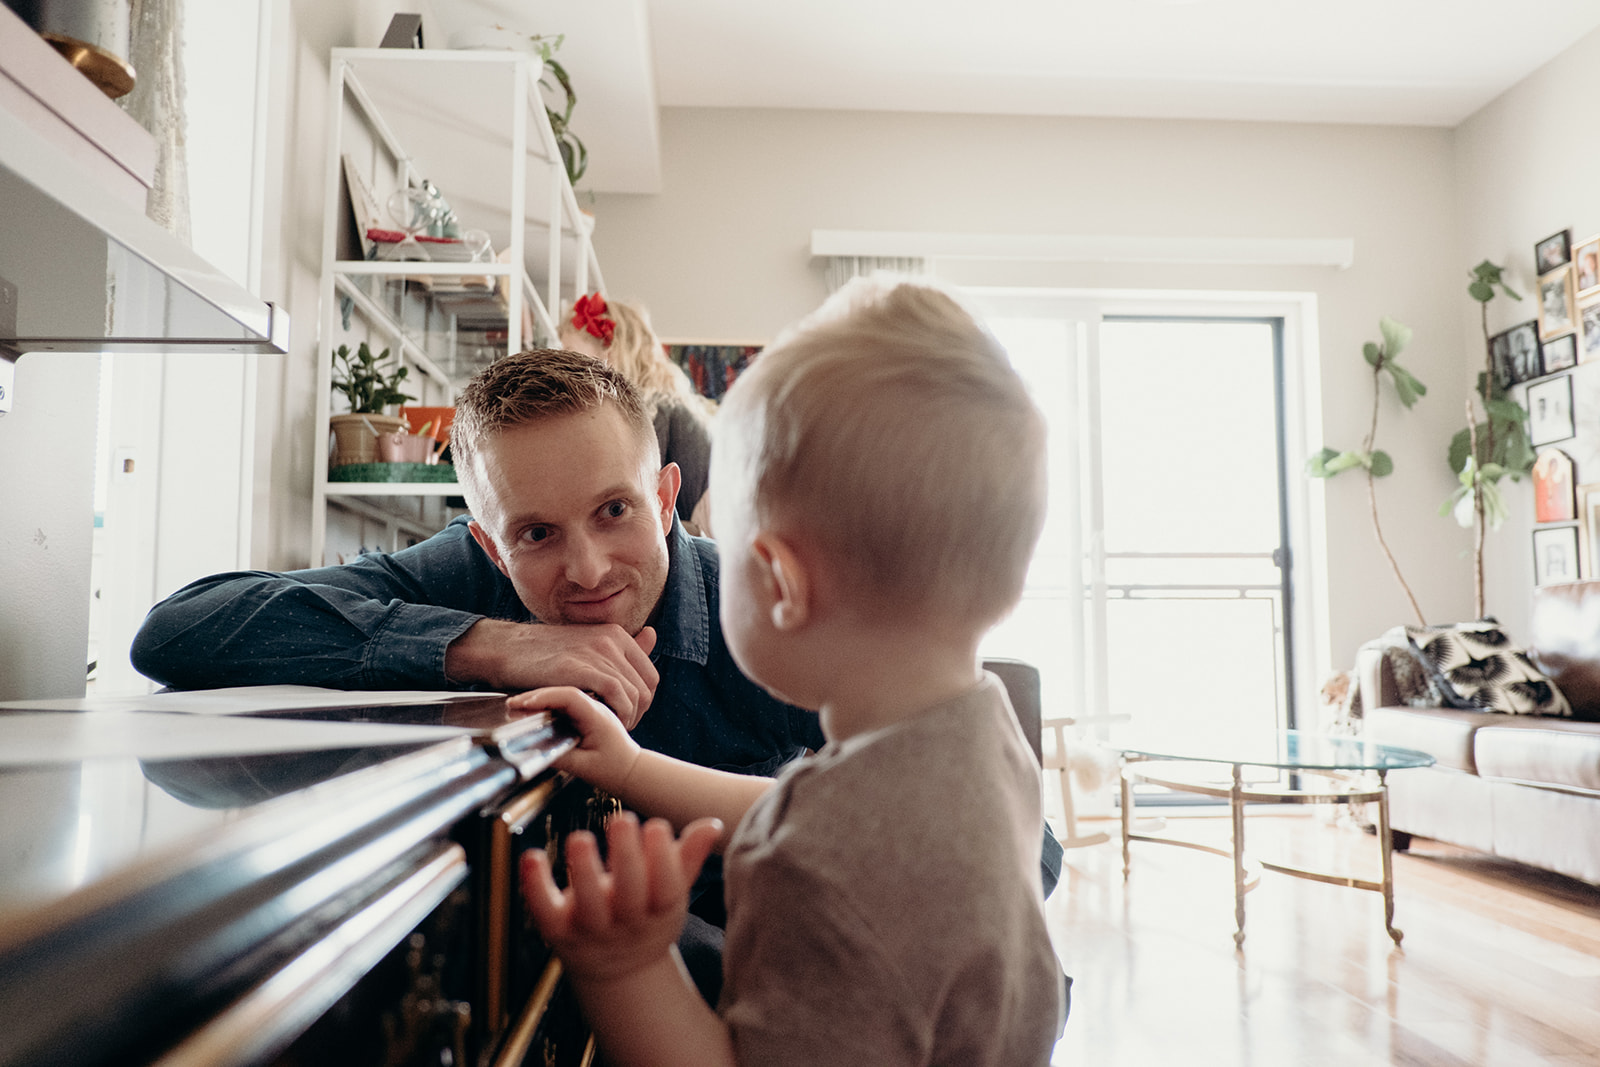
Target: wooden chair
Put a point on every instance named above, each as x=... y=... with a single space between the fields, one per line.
x=1022 y=686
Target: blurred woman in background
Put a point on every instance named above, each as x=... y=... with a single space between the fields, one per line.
x=620 y=334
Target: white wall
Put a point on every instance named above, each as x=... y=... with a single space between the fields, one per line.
x=1526 y=168
x=723 y=252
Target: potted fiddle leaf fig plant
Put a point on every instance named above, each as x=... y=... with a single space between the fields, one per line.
x=1488 y=450
x=369 y=384
x=1374 y=461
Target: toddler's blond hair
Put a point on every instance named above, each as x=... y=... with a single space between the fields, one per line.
x=889 y=429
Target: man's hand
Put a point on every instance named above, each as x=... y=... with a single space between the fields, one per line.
x=606 y=755
x=604 y=660
x=610 y=924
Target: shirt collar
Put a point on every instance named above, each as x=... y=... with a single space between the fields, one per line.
x=683 y=620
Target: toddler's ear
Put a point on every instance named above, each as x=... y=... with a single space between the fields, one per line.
x=788 y=581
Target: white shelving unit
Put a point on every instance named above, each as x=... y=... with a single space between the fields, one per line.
x=473 y=123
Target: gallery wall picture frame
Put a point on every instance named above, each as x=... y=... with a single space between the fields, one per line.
x=1556 y=300
x=1555 y=555
x=1521 y=352
x=1552 y=252
x=1550 y=411
x=1586 y=262
x=1553 y=496
x=1558 y=353
x=1500 y=359
x=1589 y=330
x=1588 y=526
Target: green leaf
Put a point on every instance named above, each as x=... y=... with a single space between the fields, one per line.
x=1345 y=460
x=1395 y=336
x=1373 y=353
x=1494 y=505
x=1482 y=292
x=1458 y=450
x=1317 y=465
x=1505 y=410
x=1382 y=466
x=1405 y=384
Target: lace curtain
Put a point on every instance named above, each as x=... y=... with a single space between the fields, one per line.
x=158 y=103
x=841 y=269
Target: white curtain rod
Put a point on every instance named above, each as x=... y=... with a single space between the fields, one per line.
x=1336 y=252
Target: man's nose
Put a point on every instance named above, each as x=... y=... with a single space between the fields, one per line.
x=586 y=561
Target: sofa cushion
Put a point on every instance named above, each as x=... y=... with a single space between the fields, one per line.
x=1443 y=733
x=1477 y=666
x=1547 y=752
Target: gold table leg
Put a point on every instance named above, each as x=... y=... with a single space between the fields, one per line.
x=1386 y=843
x=1236 y=806
x=1127 y=817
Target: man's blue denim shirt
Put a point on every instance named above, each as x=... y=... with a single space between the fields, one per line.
x=384 y=622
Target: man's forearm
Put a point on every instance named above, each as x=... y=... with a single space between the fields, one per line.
x=254 y=628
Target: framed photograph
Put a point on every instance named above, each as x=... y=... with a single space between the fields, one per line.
x=1552 y=252
x=1555 y=555
x=1559 y=353
x=1589 y=525
x=1522 y=352
x=1550 y=411
x=1556 y=314
x=1553 y=498
x=1500 y=356
x=1589 y=331
x=1586 y=261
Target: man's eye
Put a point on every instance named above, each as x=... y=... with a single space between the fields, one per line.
x=615 y=510
x=536 y=534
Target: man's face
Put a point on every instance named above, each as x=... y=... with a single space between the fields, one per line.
x=576 y=515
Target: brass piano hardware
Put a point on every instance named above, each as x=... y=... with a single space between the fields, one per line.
x=521 y=1038
x=588 y=1053
x=501 y=883
x=265 y=1020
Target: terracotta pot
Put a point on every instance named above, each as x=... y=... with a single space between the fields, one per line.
x=353 y=442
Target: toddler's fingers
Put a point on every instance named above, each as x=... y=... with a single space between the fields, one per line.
x=627 y=864
x=545 y=901
x=590 y=886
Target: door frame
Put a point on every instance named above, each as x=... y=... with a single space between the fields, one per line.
x=1306 y=642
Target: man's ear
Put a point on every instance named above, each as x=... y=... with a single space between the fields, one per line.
x=667 y=484
x=787 y=581
x=485 y=542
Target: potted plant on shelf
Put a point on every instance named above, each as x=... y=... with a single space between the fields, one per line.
x=369 y=384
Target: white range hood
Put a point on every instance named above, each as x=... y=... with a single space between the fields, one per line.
x=81 y=267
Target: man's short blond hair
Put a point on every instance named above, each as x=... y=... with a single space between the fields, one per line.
x=890 y=430
x=529 y=386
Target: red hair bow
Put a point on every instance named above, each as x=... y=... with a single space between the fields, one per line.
x=589 y=313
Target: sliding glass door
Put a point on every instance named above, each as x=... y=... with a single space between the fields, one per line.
x=1160 y=599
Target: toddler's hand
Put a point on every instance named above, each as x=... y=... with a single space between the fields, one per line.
x=606 y=754
x=612 y=921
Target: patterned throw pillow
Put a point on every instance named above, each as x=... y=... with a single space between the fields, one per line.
x=1477 y=667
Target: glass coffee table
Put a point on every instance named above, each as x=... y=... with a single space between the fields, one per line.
x=1340 y=769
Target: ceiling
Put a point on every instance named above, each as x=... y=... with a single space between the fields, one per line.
x=1394 y=62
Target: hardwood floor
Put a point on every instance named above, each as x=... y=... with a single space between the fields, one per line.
x=1500 y=966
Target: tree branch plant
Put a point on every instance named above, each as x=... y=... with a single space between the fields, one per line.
x=1375 y=462
x=365 y=382
x=1489 y=450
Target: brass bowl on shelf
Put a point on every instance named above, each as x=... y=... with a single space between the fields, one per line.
x=113 y=74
